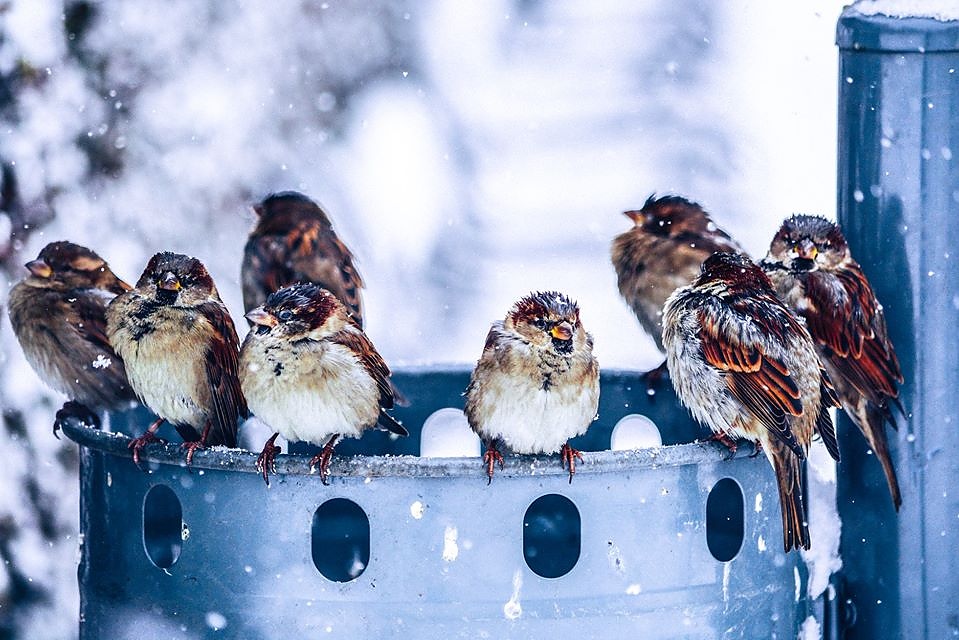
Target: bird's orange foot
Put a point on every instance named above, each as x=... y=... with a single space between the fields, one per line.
x=568 y=457
x=191 y=448
x=726 y=441
x=323 y=459
x=490 y=459
x=136 y=444
x=266 y=461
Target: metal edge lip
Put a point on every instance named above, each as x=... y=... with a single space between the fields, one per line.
x=857 y=31
x=222 y=459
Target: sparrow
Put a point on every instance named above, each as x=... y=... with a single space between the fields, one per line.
x=536 y=384
x=745 y=366
x=180 y=348
x=294 y=241
x=811 y=268
x=670 y=239
x=309 y=371
x=58 y=313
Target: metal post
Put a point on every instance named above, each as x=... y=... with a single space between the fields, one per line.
x=899 y=207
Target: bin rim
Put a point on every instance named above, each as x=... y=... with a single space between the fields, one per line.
x=406 y=466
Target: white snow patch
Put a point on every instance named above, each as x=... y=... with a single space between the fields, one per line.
x=513 y=609
x=451 y=550
x=761 y=544
x=823 y=558
x=417 y=509
x=215 y=620
x=635 y=431
x=810 y=629
x=942 y=10
x=758 y=506
x=447 y=434
x=615 y=557
x=634 y=589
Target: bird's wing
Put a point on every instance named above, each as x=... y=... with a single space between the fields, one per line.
x=317 y=255
x=222 y=364
x=760 y=382
x=853 y=333
x=357 y=342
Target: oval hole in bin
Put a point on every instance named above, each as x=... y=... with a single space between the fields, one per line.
x=447 y=434
x=551 y=535
x=725 y=519
x=340 y=540
x=635 y=431
x=162 y=526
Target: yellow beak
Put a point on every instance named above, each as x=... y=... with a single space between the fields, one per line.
x=562 y=331
x=39 y=268
x=261 y=317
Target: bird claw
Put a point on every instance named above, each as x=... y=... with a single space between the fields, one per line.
x=323 y=458
x=490 y=459
x=727 y=442
x=136 y=444
x=74 y=409
x=266 y=461
x=568 y=456
x=191 y=448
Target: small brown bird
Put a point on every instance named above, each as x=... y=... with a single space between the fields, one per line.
x=58 y=315
x=664 y=250
x=536 y=385
x=294 y=241
x=310 y=372
x=811 y=268
x=670 y=239
x=181 y=351
x=746 y=367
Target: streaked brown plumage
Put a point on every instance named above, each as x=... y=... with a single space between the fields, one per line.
x=58 y=313
x=294 y=241
x=310 y=372
x=812 y=269
x=536 y=385
x=746 y=367
x=181 y=349
x=670 y=239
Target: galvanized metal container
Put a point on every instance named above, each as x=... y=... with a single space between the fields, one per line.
x=669 y=542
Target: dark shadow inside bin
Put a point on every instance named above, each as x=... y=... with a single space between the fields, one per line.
x=551 y=536
x=340 y=540
x=162 y=526
x=725 y=519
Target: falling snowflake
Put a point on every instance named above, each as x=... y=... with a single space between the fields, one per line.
x=102 y=362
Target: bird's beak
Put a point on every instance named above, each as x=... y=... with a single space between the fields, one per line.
x=169 y=282
x=39 y=268
x=806 y=250
x=562 y=331
x=636 y=216
x=261 y=317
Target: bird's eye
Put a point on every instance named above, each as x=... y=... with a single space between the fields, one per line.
x=285 y=315
x=539 y=323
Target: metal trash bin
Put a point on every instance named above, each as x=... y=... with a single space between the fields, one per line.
x=670 y=542
x=899 y=206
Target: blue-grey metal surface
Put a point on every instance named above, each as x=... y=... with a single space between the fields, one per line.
x=899 y=206
x=446 y=555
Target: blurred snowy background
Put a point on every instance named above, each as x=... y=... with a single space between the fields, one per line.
x=467 y=152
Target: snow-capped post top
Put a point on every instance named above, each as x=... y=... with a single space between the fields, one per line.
x=908 y=26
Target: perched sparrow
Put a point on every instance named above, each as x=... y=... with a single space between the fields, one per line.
x=537 y=383
x=746 y=367
x=58 y=315
x=811 y=268
x=294 y=242
x=663 y=251
x=180 y=348
x=311 y=373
